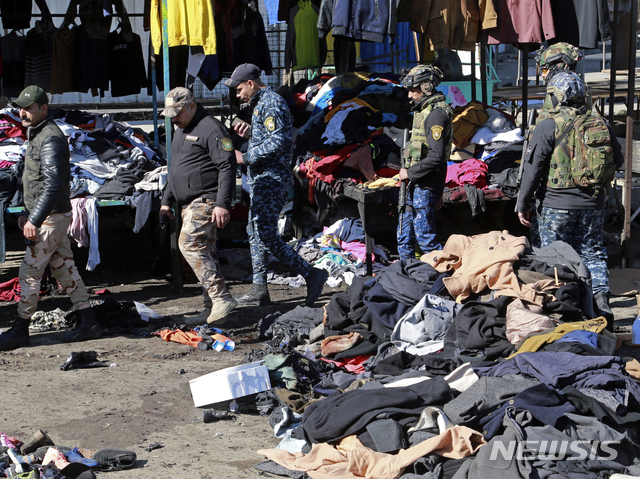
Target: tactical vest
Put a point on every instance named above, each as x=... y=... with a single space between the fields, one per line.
x=419 y=146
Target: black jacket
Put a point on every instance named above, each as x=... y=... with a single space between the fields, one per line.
x=46 y=172
x=203 y=163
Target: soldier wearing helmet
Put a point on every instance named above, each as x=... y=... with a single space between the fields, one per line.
x=556 y=58
x=425 y=161
x=567 y=212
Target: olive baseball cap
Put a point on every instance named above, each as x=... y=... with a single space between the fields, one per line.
x=175 y=100
x=30 y=95
x=242 y=73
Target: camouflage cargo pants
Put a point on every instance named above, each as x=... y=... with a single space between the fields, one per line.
x=267 y=199
x=582 y=229
x=52 y=248
x=418 y=224
x=197 y=242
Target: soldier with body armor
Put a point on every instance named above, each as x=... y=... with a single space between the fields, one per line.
x=569 y=211
x=425 y=160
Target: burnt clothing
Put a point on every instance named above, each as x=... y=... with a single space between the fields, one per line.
x=536 y=170
x=46 y=172
x=203 y=163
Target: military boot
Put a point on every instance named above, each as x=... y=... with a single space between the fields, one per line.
x=258 y=295
x=88 y=327
x=602 y=308
x=17 y=336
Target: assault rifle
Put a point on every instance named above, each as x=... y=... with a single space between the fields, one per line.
x=402 y=199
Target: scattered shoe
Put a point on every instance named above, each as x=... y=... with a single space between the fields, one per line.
x=258 y=295
x=17 y=470
x=115 y=459
x=88 y=327
x=40 y=438
x=17 y=336
x=16 y=458
x=220 y=308
x=211 y=415
x=315 y=283
x=198 y=319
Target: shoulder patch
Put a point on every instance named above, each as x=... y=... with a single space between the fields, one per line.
x=436 y=132
x=227 y=144
x=528 y=150
x=270 y=123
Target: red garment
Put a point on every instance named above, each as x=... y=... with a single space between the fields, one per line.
x=178 y=336
x=522 y=22
x=361 y=160
x=10 y=128
x=10 y=290
x=328 y=165
x=353 y=365
x=469 y=172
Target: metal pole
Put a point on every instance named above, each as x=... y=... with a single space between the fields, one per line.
x=483 y=67
x=473 y=75
x=154 y=84
x=176 y=257
x=525 y=86
x=627 y=257
x=612 y=61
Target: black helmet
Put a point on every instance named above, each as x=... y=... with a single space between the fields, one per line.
x=421 y=74
x=567 y=87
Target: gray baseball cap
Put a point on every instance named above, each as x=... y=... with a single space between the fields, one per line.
x=242 y=73
x=176 y=99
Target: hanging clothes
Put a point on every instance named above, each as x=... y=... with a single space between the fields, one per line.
x=128 y=54
x=13 y=48
x=91 y=65
x=452 y=24
x=16 y=14
x=188 y=23
x=96 y=16
x=302 y=45
x=63 y=59
x=38 y=54
x=250 y=43
x=365 y=20
x=522 y=22
x=584 y=22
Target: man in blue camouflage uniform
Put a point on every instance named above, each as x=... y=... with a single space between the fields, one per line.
x=268 y=161
x=425 y=161
x=574 y=215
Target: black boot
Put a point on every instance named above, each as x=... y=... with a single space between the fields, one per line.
x=17 y=336
x=602 y=308
x=88 y=327
x=258 y=295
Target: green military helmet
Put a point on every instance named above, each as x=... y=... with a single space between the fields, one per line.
x=567 y=87
x=558 y=57
x=420 y=75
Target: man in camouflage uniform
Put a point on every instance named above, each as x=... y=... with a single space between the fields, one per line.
x=568 y=213
x=425 y=162
x=268 y=161
x=202 y=178
x=48 y=207
x=559 y=57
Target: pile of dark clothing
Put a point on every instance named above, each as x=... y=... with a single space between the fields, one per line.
x=484 y=358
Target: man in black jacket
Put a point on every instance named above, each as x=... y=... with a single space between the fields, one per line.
x=202 y=177
x=46 y=198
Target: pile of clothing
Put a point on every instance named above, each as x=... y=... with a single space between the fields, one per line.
x=110 y=160
x=481 y=359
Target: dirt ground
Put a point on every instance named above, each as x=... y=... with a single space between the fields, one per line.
x=143 y=398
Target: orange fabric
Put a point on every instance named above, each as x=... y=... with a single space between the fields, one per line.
x=347 y=104
x=177 y=336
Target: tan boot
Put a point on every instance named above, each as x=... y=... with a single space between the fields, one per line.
x=198 y=319
x=220 y=308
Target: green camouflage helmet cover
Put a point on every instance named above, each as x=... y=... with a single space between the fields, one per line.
x=563 y=56
x=567 y=87
x=421 y=74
